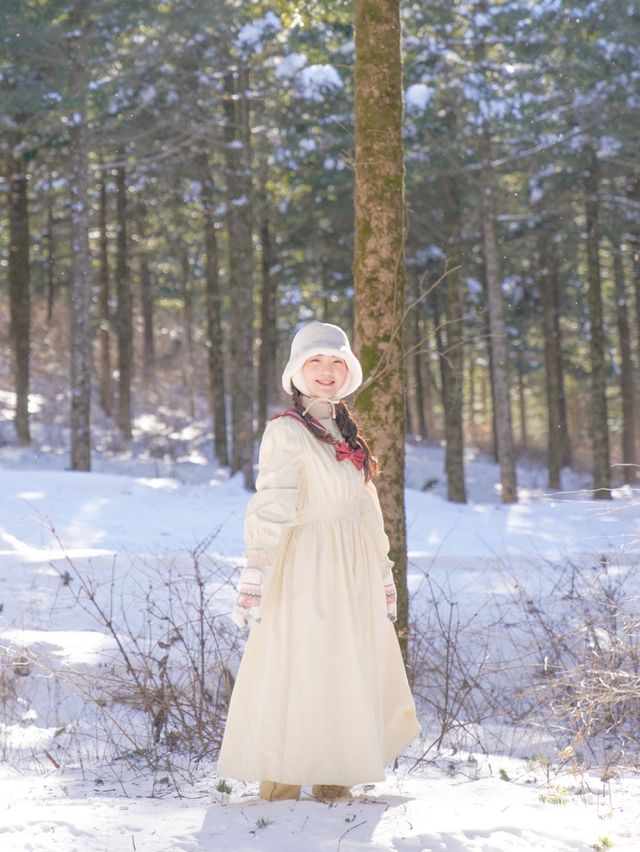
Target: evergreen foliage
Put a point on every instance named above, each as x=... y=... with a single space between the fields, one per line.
x=555 y=83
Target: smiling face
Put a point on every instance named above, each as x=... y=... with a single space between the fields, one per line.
x=324 y=375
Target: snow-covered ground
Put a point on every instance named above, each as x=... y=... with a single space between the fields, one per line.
x=125 y=525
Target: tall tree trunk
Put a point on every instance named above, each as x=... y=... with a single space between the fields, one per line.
x=436 y=300
x=187 y=320
x=379 y=271
x=599 y=416
x=106 y=384
x=498 y=331
x=241 y=269
x=416 y=399
x=486 y=402
x=430 y=390
x=267 y=351
x=423 y=396
x=559 y=307
x=636 y=293
x=486 y=323
x=552 y=356
x=268 y=304
x=627 y=389
x=453 y=360
x=473 y=393
x=51 y=251
x=215 y=343
x=634 y=240
x=124 y=318
x=81 y=331
x=146 y=298
x=522 y=401
x=19 y=291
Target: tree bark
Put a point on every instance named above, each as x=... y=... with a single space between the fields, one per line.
x=498 y=331
x=559 y=307
x=215 y=343
x=19 y=291
x=489 y=398
x=379 y=271
x=552 y=356
x=106 y=384
x=429 y=387
x=627 y=389
x=413 y=337
x=268 y=306
x=453 y=357
x=636 y=294
x=634 y=241
x=187 y=321
x=51 y=252
x=146 y=298
x=522 y=401
x=81 y=330
x=124 y=319
x=473 y=391
x=436 y=299
x=599 y=416
x=241 y=269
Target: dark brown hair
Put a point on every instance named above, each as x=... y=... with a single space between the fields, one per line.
x=348 y=428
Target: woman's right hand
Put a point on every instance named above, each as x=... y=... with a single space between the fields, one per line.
x=243 y=616
x=249 y=598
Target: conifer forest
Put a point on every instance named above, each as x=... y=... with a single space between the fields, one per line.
x=177 y=196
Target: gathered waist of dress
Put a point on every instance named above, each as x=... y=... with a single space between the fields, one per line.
x=333 y=510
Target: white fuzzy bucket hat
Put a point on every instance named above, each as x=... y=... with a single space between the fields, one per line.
x=321 y=338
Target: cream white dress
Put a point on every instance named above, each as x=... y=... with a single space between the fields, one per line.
x=321 y=695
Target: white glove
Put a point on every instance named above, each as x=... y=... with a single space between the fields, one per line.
x=249 y=598
x=390 y=594
x=392 y=603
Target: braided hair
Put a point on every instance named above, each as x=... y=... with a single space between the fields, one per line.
x=348 y=428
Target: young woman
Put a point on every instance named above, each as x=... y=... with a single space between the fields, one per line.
x=321 y=696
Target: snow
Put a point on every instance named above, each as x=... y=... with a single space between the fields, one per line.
x=123 y=528
x=290 y=65
x=148 y=95
x=608 y=146
x=316 y=81
x=392 y=817
x=417 y=97
x=8 y=402
x=251 y=35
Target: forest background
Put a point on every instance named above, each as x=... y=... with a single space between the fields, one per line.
x=178 y=197
x=179 y=192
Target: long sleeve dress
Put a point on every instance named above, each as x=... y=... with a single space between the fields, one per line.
x=321 y=695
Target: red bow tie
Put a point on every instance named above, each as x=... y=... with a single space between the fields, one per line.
x=356 y=457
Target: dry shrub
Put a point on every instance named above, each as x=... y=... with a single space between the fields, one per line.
x=587 y=688
x=159 y=694
x=522 y=672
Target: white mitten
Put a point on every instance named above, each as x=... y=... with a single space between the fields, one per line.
x=390 y=594
x=249 y=598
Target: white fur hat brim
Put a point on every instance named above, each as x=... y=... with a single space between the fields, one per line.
x=322 y=338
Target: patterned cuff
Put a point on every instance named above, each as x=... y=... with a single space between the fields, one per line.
x=250 y=587
x=392 y=602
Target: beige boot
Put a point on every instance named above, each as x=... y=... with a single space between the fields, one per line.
x=271 y=791
x=330 y=792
